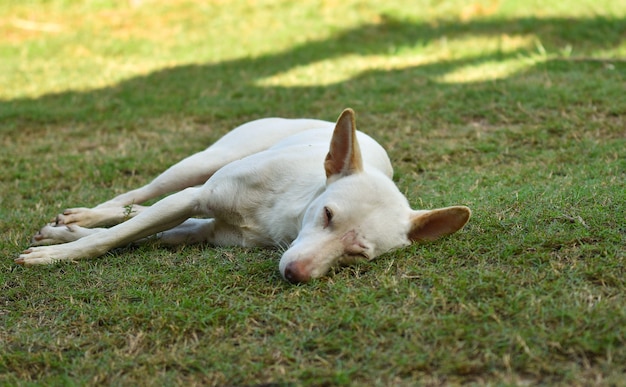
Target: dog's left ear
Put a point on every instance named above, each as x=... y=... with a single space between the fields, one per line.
x=433 y=224
x=344 y=156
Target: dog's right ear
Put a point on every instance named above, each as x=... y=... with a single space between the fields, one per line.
x=428 y=225
x=344 y=156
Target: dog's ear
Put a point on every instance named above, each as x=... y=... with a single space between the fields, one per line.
x=433 y=224
x=344 y=156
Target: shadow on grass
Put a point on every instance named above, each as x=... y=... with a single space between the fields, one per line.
x=230 y=88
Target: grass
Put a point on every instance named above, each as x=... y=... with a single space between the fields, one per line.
x=514 y=108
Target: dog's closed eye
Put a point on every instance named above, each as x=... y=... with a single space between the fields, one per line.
x=328 y=216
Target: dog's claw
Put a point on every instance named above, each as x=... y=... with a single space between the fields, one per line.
x=38 y=237
x=20 y=260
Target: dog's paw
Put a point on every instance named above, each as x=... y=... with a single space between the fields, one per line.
x=52 y=235
x=75 y=216
x=43 y=255
x=101 y=216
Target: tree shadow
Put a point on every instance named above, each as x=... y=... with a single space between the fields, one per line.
x=231 y=88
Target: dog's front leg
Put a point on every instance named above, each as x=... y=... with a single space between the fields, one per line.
x=164 y=215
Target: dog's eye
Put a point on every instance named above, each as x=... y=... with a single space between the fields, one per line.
x=328 y=216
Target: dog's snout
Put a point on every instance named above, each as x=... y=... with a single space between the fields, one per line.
x=296 y=272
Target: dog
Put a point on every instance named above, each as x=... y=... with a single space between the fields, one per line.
x=270 y=182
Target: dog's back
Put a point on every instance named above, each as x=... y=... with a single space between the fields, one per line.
x=295 y=138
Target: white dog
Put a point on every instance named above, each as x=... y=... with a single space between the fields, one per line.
x=270 y=182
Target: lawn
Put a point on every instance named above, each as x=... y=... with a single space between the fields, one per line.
x=516 y=109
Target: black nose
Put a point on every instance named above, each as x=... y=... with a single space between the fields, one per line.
x=295 y=272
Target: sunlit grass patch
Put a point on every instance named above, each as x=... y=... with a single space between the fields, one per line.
x=507 y=52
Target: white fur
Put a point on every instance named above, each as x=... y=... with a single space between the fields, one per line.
x=270 y=182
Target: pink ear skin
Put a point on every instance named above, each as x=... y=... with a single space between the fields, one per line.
x=430 y=225
x=344 y=156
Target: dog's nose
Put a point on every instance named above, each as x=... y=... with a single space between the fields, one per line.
x=295 y=272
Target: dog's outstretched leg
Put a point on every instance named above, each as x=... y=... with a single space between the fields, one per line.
x=164 y=215
x=51 y=234
x=189 y=232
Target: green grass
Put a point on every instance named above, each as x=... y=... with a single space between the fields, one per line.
x=514 y=108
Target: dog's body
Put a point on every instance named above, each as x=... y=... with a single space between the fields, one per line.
x=270 y=182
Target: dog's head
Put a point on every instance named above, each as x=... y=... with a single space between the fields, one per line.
x=360 y=215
